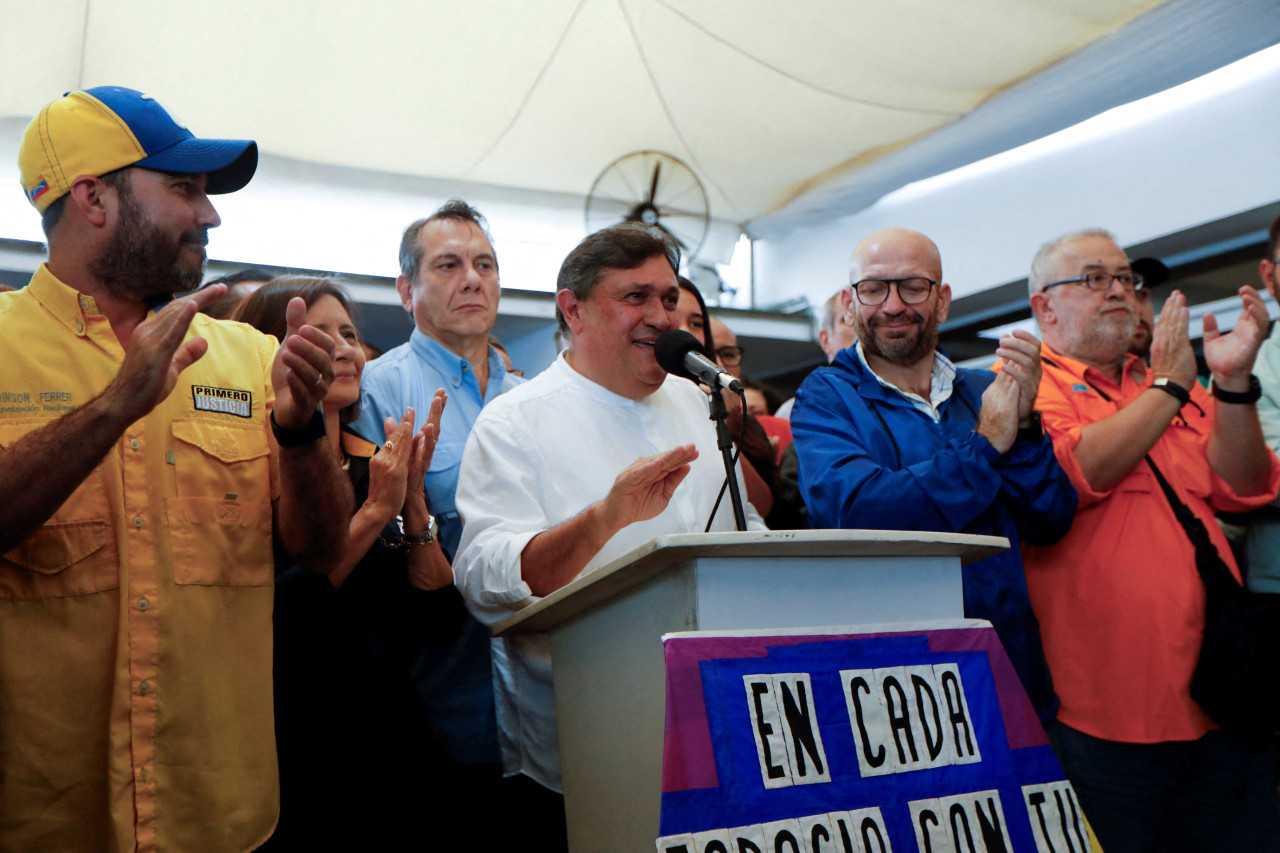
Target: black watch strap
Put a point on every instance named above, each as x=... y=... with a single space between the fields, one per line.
x=1242 y=397
x=313 y=430
x=1035 y=432
x=1173 y=389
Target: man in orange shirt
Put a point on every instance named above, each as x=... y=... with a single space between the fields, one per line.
x=1119 y=600
x=141 y=495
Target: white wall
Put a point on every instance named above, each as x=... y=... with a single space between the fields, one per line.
x=1190 y=155
x=341 y=220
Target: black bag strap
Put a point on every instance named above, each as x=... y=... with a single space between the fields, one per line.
x=1209 y=562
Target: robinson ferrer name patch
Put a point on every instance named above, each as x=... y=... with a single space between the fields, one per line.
x=231 y=401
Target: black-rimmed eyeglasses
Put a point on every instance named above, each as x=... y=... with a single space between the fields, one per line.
x=874 y=291
x=1098 y=280
x=729 y=356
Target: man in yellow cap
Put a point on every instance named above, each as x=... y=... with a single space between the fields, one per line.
x=141 y=494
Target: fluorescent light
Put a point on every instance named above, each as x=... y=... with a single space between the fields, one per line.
x=1125 y=117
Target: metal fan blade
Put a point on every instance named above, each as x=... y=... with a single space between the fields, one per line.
x=620 y=192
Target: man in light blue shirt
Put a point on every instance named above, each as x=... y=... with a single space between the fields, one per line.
x=449 y=283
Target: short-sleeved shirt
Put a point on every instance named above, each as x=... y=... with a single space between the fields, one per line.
x=1120 y=603
x=135 y=624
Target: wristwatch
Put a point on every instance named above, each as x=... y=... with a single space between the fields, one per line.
x=407 y=542
x=1173 y=389
x=1243 y=397
x=1035 y=432
x=425 y=537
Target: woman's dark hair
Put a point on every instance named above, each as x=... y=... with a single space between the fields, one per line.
x=708 y=341
x=264 y=309
x=772 y=397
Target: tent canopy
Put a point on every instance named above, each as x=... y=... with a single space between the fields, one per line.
x=782 y=110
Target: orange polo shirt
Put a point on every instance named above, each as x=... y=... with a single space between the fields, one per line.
x=1120 y=603
x=135 y=625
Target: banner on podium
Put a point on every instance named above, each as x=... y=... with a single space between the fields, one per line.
x=912 y=738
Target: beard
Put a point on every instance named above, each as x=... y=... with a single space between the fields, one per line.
x=909 y=349
x=1095 y=338
x=140 y=260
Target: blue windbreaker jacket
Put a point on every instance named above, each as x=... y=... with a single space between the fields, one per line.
x=870 y=460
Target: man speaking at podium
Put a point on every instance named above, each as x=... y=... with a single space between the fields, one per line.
x=591 y=459
x=894 y=436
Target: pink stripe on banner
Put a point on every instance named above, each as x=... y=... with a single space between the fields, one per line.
x=1021 y=724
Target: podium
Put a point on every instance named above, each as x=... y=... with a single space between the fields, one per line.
x=606 y=650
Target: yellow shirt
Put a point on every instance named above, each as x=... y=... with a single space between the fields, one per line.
x=135 y=625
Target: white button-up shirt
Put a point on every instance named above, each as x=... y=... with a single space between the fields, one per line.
x=537 y=456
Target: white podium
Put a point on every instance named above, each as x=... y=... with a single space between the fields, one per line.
x=606 y=650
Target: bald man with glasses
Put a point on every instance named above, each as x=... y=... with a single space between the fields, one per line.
x=893 y=436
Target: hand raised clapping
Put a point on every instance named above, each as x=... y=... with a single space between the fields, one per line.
x=1231 y=356
x=1008 y=402
x=396 y=471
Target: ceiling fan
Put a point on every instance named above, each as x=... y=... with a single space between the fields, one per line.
x=654 y=188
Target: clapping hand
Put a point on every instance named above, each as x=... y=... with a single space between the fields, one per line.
x=1021 y=353
x=1230 y=357
x=389 y=468
x=1171 y=354
x=645 y=487
x=424 y=445
x=302 y=370
x=157 y=353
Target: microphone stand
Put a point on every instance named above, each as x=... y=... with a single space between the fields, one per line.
x=719 y=414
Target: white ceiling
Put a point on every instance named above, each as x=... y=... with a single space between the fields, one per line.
x=784 y=110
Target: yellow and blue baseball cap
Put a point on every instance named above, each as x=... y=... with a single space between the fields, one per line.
x=99 y=130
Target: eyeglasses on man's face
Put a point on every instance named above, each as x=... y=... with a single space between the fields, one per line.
x=874 y=291
x=1099 y=280
x=729 y=356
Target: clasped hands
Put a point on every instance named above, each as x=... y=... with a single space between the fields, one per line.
x=396 y=471
x=1009 y=401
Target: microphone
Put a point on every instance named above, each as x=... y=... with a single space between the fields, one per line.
x=680 y=353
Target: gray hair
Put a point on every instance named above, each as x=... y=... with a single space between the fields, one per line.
x=1042 y=265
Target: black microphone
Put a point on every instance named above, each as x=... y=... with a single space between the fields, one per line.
x=679 y=353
